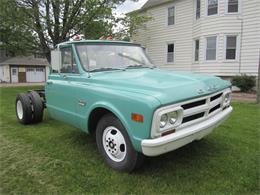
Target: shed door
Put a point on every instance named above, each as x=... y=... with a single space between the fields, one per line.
x=14 y=74
x=35 y=75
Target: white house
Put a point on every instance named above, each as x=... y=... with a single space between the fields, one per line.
x=219 y=37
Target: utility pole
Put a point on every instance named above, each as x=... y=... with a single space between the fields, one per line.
x=258 y=82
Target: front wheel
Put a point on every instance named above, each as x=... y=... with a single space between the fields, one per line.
x=115 y=146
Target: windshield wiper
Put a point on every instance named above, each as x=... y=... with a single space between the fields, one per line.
x=139 y=66
x=104 y=69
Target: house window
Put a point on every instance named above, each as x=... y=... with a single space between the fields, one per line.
x=212 y=7
x=196 y=50
x=197 y=9
x=39 y=70
x=171 y=14
x=14 y=71
x=170 y=53
x=39 y=55
x=231 y=47
x=211 y=48
x=232 y=6
x=30 y=69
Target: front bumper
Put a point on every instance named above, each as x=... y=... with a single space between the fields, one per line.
x=157 y=146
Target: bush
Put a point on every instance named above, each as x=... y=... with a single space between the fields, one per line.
x=244 y=82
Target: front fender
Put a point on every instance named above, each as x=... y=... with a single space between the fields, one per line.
x=112 y=108
x=135 y=139
x=122 y=104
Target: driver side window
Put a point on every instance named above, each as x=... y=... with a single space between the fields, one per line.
x=68 y=64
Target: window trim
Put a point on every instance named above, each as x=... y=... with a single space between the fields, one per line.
x=166 y=49
x=73 y=55
x=194 y=48
x=195 y=11
x=205 y=48
x=232 y=13
x=237 y=47
x=167 y=15
x=206 y=9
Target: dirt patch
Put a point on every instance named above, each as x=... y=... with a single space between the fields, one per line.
x=244 y=97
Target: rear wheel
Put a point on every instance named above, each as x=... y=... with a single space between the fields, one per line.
x=23 y=108
x=37 y=105
x=115 y=146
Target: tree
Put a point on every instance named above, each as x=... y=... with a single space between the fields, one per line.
x=130 y=24
x=14 y=36
x=50 y=22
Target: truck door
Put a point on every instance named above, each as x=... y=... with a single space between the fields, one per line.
x=61 y=97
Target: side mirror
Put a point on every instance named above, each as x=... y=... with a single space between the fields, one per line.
x=55 y=61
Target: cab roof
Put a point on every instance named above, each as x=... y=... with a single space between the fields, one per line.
x=113 y=42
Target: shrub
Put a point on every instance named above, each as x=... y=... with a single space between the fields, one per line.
x=244 y=82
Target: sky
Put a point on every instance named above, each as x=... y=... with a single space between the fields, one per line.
x=129 y=6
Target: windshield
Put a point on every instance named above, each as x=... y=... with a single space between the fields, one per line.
x=109 y=57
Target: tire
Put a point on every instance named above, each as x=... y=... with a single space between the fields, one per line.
x=23 y=108
x=37 y=105
x=115 y=146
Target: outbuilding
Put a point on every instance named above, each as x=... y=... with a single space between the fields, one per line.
x=24 y=69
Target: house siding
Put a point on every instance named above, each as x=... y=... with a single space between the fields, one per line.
x=4 y=73
x=245 y=24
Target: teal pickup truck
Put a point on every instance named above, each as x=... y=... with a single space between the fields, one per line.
x=112 y=89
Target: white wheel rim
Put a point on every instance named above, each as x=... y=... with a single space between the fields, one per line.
x=19 y=109
x=114 y=144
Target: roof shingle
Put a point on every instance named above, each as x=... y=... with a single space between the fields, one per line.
x=25 y=60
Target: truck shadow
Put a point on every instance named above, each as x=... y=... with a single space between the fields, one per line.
x=196 y=154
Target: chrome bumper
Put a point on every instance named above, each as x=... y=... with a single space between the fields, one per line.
x=157 y=146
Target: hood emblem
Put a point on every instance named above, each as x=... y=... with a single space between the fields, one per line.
x=200 y=91
x=212 y=88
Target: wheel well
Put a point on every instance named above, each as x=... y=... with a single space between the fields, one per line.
x=94 y=118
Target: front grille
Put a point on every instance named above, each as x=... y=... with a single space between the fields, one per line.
x=193 y=112
x=214 y=108
x=193 y=117
x=200 y=108
x=193 y=104
x=215 y=97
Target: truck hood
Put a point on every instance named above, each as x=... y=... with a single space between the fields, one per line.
x=166 y=86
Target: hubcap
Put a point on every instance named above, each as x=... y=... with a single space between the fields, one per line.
x=114 y=144
x=19 y=109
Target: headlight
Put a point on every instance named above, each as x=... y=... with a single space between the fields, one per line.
x=164 y=120
x=227 y=99
x=170 y=119
x=173 y=117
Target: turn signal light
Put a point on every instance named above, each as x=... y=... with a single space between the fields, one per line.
x=168 y=132
x=137 y=118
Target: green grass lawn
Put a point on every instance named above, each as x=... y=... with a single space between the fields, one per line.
x=52 y=157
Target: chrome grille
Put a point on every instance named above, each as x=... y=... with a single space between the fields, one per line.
x=192 y=117
x=201 y=108
x=214 y=108
x=193 y=104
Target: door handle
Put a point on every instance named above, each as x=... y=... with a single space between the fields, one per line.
x=49 y=82
x=82 y=103
x=64 y=76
